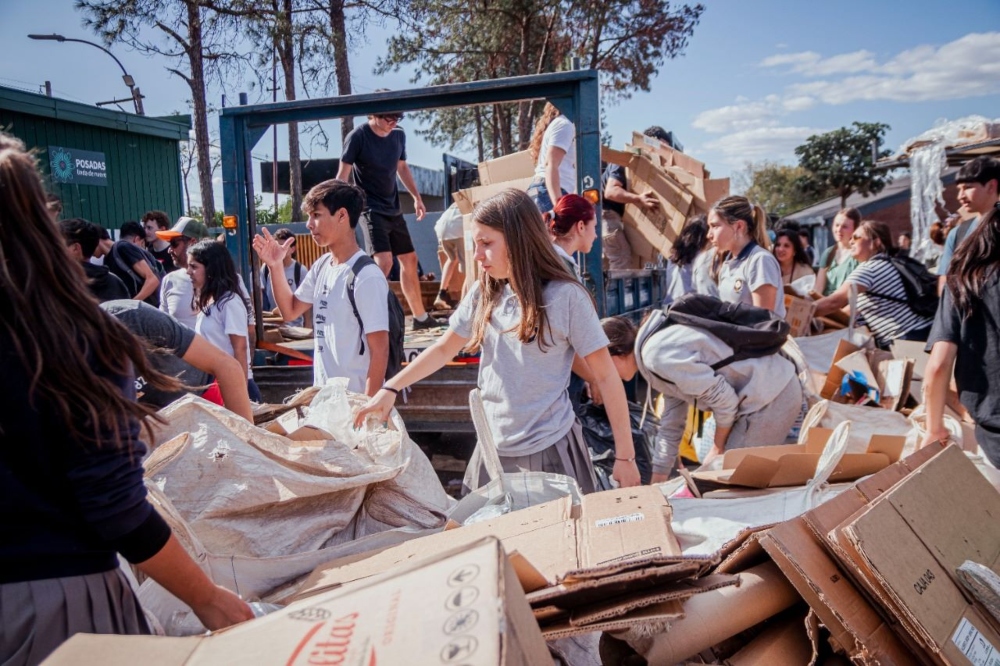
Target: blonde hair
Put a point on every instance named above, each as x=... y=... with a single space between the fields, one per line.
x=549 y=113
x=734 y=209
x=533 y=263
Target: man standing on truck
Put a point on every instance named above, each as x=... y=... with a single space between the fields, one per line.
x=616 y=195
x=376 y=153
x=350 y=342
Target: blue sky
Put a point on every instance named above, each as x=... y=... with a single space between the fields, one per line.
x=758 y=77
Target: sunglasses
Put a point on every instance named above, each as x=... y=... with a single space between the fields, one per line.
x=391 y=117
x=857 y=237
x=177 y=242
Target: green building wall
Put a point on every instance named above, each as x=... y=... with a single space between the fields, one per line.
x=142 y=155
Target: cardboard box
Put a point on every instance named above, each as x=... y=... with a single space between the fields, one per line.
x=464 y=606
x=515 y=166
x=671 y=157
x=910 y=542
x=891 y=375
x=609 y=532
x=799 y=314
x=468 y=199
x=795 y=464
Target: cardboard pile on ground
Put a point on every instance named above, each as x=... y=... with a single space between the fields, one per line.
x=610 y=562
x=680 y=183
x=882 y=370
x=463 y=606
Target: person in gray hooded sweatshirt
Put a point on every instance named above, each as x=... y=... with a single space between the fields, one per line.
x=755 y=401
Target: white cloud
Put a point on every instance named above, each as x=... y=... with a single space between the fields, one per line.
x=796 y=60
x=760 y=143
x=743 y=115
x=810 y=63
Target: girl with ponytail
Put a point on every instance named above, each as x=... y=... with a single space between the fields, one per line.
x=750 y=273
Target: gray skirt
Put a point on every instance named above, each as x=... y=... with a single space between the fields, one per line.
x=569 y=456
x=37 y=616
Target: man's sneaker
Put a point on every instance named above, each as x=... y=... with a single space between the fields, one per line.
x=427 y=324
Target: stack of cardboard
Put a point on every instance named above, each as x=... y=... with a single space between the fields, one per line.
x=510 y=171
x=883 y=371
x=608 y=563
x=681 y=184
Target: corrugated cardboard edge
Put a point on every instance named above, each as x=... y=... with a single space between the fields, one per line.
x=563 y=592
x=667 y=611
x=596 y=613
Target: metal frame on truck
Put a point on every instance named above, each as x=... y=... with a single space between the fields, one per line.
x=574 y=93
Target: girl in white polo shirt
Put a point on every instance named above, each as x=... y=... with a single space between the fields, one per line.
x=750 y=273
x=529 y=317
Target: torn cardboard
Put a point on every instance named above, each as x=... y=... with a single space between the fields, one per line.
x=463 y=606
x=467 y=199
x=515 y=166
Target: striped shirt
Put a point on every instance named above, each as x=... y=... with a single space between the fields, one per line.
x=887 y=319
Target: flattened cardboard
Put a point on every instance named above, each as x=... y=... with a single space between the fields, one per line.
x=464 y=606
x=612 y=608
x=912 y=539
x=667 y=611
x=468 y=198
x=795 y=464
x=671 y=157
x=799 y=314
x=509 y=167
x=579 y=592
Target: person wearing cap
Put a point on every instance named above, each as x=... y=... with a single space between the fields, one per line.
x=375 y=153
x=176 y=292
x=978 y=190
x=154 y=221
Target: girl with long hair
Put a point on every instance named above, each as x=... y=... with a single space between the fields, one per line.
x=966 y=338
x=553 y=147
x=749 y=273
x=792 y=258
x=882 y=298
x=221 y=304
x=71 y=489
x=684 y=255
x=573 y=228
x=528 y=317
x=838 y=261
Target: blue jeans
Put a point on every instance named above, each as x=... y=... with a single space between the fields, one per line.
x=540 y=194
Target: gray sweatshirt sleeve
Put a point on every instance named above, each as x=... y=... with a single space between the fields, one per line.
x=669 y=434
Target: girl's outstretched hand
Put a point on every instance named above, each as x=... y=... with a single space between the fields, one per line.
x=379 y=404
x=626 y=473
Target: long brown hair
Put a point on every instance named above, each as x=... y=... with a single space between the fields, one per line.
x=533 y=263
x=71 y=349
x=735 y=208
x=975 y=263
x=549 y=113
x=878 y=232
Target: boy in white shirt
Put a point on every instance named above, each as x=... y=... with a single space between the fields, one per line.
x=334 y=208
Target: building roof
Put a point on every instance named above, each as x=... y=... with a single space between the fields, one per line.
x=173 y=127
x=896 y=191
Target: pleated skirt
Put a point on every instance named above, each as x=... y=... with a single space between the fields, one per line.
x=37 y=616
x=568 y=456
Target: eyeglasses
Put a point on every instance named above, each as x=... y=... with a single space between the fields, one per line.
x=858 y=237
x=177 y=242
x=391 y=117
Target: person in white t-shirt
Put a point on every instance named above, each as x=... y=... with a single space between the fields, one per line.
x=176 y=292
x=334 y=208
x=294 y=273
x=553 y=147
x=222 y=309
x=451 y=239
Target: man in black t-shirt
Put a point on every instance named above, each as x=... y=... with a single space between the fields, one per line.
x=375 y=153
x=82 y=238
x=153 y=221
x=181 y=353
x=136 y=267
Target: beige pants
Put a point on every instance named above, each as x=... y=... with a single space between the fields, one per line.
x=617 y=250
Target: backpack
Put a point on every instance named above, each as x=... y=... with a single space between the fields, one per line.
x=138 y=280
x=752 y=332
x=920 y=285
x=397 y=320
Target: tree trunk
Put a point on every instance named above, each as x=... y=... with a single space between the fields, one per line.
x=338 y=36
x=197 y=81
x=286 y=41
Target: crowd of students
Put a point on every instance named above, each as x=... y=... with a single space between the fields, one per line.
x=78 y=382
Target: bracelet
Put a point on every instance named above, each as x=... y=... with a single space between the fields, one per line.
x=617 y=459
x=389 y=388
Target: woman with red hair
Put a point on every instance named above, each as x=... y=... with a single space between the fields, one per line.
x=573 y=228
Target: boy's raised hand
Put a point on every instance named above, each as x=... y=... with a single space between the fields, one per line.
x=269 y=250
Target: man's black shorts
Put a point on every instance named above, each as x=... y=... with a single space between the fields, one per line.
x=387 y=233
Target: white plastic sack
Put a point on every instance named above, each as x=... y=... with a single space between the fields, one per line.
x=804 y=285
x=865 y=422
x=257 y=510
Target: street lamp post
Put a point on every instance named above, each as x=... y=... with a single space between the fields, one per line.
x=126 y=77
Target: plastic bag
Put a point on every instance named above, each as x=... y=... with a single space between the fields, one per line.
x=601 y=441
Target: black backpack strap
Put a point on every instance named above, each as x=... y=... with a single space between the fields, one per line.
x=298 y=274
x=887 y=296
x=356 y=268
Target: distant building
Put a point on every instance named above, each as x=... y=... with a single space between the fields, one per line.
x=105 y=166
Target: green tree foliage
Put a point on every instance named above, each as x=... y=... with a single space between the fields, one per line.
x=453 y=41
x=840 y=162
x=775 y=187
